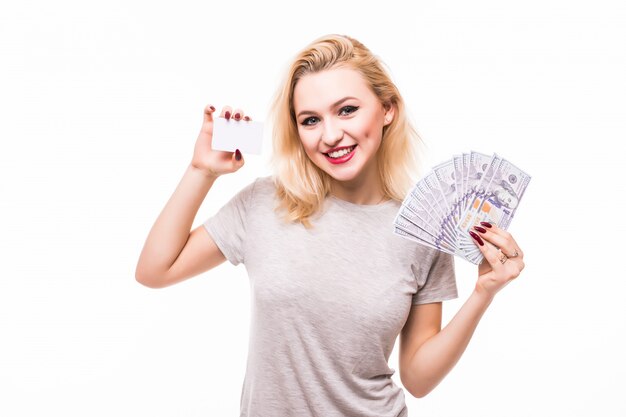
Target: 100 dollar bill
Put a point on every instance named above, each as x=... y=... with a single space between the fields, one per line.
x=497 y=197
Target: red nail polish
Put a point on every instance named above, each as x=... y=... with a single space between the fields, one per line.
x=486 y=224
x=237 y=155
x=227 y=115
x=237 y=116
x=212 y=108
x=477 y=238
x=246 y=118
x=480 y=229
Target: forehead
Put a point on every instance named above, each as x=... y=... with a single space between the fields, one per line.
x=321 y=89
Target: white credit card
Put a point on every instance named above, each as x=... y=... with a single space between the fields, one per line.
x=229 y=135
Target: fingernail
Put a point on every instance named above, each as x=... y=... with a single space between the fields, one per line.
x=486 y=224
x=237 y=155
x=227 y=115
x=246 y=118
x=477 y=238
x=480 y=229
x=237 y=116
x=212 y=108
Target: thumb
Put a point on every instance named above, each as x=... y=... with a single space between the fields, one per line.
x=238 y=157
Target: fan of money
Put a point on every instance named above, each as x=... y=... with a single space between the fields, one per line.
x=455 y=196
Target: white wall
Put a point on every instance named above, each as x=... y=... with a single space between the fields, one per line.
x=100 y=105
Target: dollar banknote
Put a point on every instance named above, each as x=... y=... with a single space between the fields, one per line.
x=442 y=207
x=497 y=201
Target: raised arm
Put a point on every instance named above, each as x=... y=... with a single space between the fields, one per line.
x=171 y=253
x=427 y=354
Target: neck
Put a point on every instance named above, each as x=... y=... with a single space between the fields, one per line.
x=358 y=194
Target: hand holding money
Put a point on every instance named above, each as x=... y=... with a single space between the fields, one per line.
x=503 y=258
x=445 y=205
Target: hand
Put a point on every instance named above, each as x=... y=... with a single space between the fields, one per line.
x=497 y=245
x=215 y=163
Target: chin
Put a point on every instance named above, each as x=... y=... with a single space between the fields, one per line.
x=343 y=174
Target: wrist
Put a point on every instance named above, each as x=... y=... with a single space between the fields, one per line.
x=207 y=174
x=483 y=295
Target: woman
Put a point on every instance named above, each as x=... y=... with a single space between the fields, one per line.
x=331 y=285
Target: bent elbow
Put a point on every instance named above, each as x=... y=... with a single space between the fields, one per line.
x=420 y=393
x=147 y=281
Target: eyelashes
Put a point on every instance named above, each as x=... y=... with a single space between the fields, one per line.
x=350 y=109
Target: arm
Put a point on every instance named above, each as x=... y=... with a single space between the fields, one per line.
x=440 y=351
x=171 y=253
x=429 y=354
x=170 y=232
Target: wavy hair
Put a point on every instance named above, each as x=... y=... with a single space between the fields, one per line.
x=301 y=186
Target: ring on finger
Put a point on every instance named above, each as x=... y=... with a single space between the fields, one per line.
x=503 y=258
x=516 y=253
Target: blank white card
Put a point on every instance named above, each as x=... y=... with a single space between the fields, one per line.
x=229 y=135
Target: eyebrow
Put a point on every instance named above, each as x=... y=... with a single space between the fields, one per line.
x=335 y=104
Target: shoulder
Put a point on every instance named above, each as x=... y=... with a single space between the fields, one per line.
x=263 y=186
x=258 y=183
x=265 y=181
x=258 y=192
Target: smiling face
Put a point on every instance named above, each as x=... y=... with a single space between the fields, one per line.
x=336 y=108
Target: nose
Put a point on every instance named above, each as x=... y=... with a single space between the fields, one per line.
x=331 y=133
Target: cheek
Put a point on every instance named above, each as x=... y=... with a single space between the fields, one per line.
x=308 y=141
x=366 y=128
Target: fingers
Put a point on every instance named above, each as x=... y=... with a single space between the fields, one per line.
x=236 y=114
x=500 y=238
x=498 y=248
x=227 y=112
x=489 y=251
x=208 y=112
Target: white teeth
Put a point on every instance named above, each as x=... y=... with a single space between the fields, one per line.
x=341 y=152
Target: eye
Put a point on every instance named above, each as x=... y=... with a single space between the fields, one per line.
x=351 y=109
x=305 y=122
x=345 y=111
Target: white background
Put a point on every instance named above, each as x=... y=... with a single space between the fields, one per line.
x=100 y=106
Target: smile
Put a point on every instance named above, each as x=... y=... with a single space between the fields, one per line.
x=341 y=156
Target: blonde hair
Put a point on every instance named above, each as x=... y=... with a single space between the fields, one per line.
x=301 y=186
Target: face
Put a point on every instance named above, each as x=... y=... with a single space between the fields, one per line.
x=336 y=109
x=506 y=198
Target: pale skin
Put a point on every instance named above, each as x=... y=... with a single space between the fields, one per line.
x=172 y=253
x=428 y=353
x=337 y=108
x=324 y=105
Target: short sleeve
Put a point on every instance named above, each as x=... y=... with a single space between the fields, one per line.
x=436 y=280
x=227 y=227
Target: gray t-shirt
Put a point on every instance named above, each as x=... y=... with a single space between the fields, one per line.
x=327 y=304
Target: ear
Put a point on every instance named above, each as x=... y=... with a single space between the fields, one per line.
x=389 y=113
